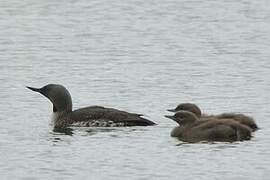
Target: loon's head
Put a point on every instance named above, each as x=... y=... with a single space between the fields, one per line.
x=183 y=117
x=188 y=107
x=58 y=95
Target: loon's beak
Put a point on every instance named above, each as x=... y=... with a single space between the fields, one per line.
x=170 y=117
x=34 y=89
x=171 y=110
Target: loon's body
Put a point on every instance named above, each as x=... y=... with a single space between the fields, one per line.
x=191 y=129
x=241 y=118
x=64 y=116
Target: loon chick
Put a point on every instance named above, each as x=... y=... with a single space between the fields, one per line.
x=241 y=118
x=191 y=129
x=89 y=116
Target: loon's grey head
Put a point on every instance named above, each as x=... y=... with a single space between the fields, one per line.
x=183 y=117
x=58 y=95
x=188 y=107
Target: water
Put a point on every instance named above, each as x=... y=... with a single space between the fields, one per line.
x=138 y=56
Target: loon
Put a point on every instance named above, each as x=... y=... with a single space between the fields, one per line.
x=241 y=118
x=192 y=130
x=64 y=116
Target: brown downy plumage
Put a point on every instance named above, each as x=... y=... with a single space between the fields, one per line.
x=191 y=129
x=241 y=118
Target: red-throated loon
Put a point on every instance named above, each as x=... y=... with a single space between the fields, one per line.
x=64 y=116
x=191 y=129
x=241 y=118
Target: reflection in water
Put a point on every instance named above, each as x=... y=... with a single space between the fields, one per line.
x=62 y=134
x=59 y=134
x=89 y=131
x=226 y=145
x=65 y=131
x=95 y=130
x=216 y=146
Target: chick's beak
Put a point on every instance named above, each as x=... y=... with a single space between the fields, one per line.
x=170 y=117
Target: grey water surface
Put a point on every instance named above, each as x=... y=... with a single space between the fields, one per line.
x=139 y=56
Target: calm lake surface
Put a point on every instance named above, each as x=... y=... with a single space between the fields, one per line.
x=139 y=56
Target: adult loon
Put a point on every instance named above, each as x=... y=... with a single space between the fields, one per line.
x=241 y=118
x=191 y=129
x=64 y=116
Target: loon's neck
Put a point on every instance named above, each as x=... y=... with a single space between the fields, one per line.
x=60 y=119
